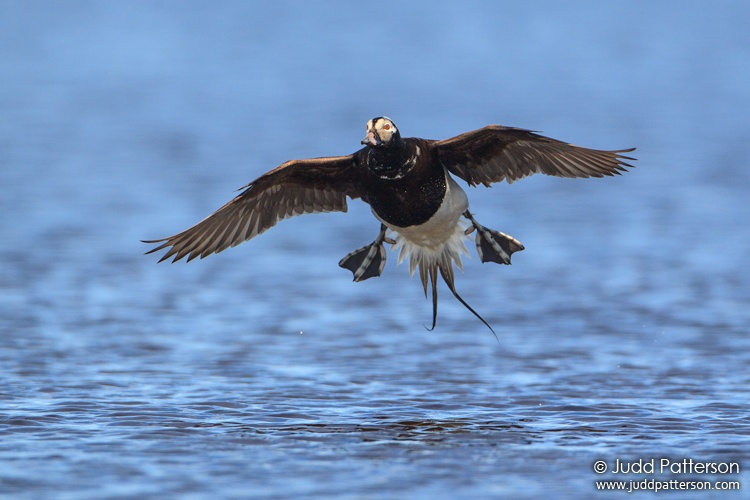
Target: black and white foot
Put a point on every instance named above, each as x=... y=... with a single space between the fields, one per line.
x=368 y=261
x=493 y=246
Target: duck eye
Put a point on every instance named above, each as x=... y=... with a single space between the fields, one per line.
x=387 y=126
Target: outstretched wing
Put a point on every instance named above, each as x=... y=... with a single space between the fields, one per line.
x=294 y=188
x=495 y=153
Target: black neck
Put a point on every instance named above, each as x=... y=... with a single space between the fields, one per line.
x=391 y=160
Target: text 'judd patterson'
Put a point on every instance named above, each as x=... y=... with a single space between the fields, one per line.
x=666 y=465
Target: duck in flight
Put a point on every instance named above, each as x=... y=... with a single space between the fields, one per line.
x=409 y=185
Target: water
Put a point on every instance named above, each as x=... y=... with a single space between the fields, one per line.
x=264 y=371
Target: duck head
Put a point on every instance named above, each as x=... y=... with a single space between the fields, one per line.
x=381 y=132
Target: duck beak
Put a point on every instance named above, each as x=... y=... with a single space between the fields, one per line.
x=372 y=139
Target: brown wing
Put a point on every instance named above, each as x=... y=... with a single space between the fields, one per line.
x=294 y=188
x=495 y=153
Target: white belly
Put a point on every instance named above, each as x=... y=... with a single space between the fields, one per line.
x=440 y=227
x=441 y=236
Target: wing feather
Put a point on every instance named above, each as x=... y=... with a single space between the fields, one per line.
x=496 y=153
x=294 y=188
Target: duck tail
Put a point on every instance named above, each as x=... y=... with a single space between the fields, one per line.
x=444 y=264
x=446 y=271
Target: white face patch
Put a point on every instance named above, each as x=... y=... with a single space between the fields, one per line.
x=384 y=128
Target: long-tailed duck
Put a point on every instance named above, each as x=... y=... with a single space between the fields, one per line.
x=408 y=184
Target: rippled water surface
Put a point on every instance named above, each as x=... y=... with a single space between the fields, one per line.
x=265 y=371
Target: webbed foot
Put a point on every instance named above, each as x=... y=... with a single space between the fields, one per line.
x=368 y=261
x=493 y=246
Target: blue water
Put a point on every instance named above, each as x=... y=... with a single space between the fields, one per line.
x=265 y=371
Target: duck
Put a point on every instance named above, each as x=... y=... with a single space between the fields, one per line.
x=410 y=185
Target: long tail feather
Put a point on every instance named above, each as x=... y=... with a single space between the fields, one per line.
x=433 y=280
x=430 y=260
x=448 y=278
x=445 y=265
